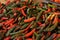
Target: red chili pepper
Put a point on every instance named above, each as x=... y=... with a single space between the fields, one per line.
x=39 y=23
x=7 y=2
x=7 y=38
x=1 y=11
x=54 y=9
x=57 y=13
x=23 y=7
x=0 y=4
x=4 y=18
x=11 y=26
x=49 y=33
x=29 y=20
x=9 y=21
x=26 y=32
x=29 y=39
x=54 y=39
x=20 y=8
x=19 y=38
x=30 y=33
x=43 y=37
x=27 y=27
x=23 y=13
x=54 y=35
x=48 y=10
x=4 y=27
x=59 y=20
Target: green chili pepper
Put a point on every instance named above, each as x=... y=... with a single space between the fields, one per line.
x=51 y=6
x=9 y=31
x=52 y=27
x=24 y=26
x=51 y=37
x=34 y=25
x=38 y=16
x=42 y=28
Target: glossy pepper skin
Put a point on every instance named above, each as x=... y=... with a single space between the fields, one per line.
x=26 y=20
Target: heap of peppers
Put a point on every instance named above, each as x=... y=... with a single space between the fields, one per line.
x=26 y=20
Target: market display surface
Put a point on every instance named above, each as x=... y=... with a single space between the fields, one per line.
x=26 y=20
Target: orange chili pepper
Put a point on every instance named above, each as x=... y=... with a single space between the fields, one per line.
x=29 y=20
x=55 y=20
x=30 y=33
x=56 y=1
x=48 y=10
x=20 y=8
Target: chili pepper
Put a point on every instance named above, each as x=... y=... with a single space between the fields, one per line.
x=7 y=3
x=37 y=36
x=29 y=39
x=29 y=20
x=1 y=11
x=33 y=26
x=52 y=16
x=42 y=37
x=49 y=9
x=56 y=1
x=51 y=6
x=39 y=14
x=11 y=26
x=23 y=13
x=48 y=18
x=49 y=33
x=52 y=27
x=4 y=18
x=24 y=26
x=9 y=21
x=30 y=33
x=39 y=23
x=7 y=38
x=20 y=8
x=42 y=27
x=55 y=20
x=52 y=36
x=9 y=31
x=33 y=37
x=0 y=4
x=24 y=29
